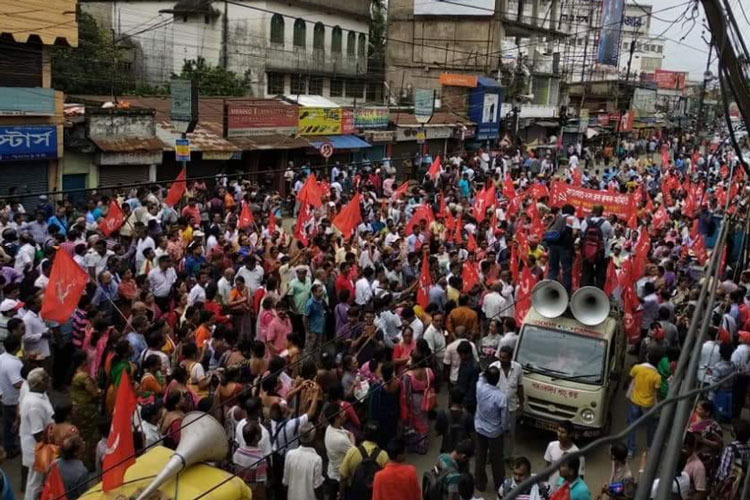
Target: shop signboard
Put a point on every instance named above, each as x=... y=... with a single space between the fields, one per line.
x=246 y=120
x=609 y=42
x=36 y=142
x=347 y=121
x=458 y=80
x=370 y=118
x=484 y=110
x=319 y=121
x=454 y=8
x=644 y=101
x=22 y=101
x=182 y=150
x=424 y=104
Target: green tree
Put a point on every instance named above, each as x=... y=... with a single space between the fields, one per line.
x=214 y=80
x=378 y=27
x=94 y=66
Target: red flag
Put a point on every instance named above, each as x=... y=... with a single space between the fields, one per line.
x=699 y=250
x=120 y=452
x=177 y=189
x=304 y=216
x=649 y=204
x=325 y=188
x=537 y=228
x=54 y=487
x=661 y=217
x=514 y=263
x=490 y=197
x=523 y=298
x=690 y=203
x=246 y=217
x=469 y=276
x=434 y=168
x=539 y=191
x=349 y=217
x=271 y=223
x=509 y=191
x=632 y=317
x=642 y=247
x=480 y=206
x=398 y=193
x=611 y=283
x=513 y=207
x=422 y=212
x=724 y=171
x=664 y=160
x=113 y=220
x=723 y=336
x=694 y=230
x=67 y=281
x=459 y=229
x=666 y=192
x=311 y=192
x=523 y=246
x=563 y=493
x=471 y=243
x=425 y=281
x=577 y=271
x=577 y=177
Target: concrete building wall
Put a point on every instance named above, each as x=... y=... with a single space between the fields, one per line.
x=118 y=125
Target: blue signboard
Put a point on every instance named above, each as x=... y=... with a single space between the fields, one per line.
x=37 y=142
x=609 y=43
x=27 y=101
x=484 y=110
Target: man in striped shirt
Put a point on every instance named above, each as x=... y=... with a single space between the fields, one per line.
x=739 y=449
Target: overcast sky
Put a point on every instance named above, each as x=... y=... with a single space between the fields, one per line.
x=691 y=54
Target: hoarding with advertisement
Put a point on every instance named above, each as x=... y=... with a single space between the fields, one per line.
x=369 y=118
x=625 y=124
x=20 y=101
x=484 y=110
x=245 y=120
x=28 y=143
x=644 y=101
x=319 y=121
x=347 y=121
x=673 y=80
x=454 y=8
x=609 y=43
x=458 y=80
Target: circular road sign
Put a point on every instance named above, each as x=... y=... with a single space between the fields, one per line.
x=326 y=150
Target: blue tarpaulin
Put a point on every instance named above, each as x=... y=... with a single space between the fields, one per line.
x=340 y=142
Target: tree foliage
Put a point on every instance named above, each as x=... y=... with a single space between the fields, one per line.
x=94 y=66
x=214 y=80
x=378 y=27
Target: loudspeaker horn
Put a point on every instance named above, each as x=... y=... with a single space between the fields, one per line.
x=589 y=305
x=549 y=298
x=204 y=440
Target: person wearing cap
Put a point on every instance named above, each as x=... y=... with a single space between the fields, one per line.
x=35 y=414
x=9 y=309
x=36 y=338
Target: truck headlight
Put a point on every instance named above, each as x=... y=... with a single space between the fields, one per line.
x=588 y=416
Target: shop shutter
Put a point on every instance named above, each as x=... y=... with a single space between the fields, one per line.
x=29 y=179
x=115 y=175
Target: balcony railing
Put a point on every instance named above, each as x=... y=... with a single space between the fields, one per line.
x=314 y=61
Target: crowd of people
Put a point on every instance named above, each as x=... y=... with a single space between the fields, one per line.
x=324 y=346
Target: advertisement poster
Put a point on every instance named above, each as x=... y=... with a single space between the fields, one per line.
x=454 y=8
x=673 y=80
x=249 y=120
x=614 y=203
x=319 y=121
x=424 y=104
x=609 y=43
x=369 y=118
x=484 y=110
x=347 y=121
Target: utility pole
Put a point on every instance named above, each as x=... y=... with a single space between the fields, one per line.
x=706 y=76
x=624 y=104
x=225 y=37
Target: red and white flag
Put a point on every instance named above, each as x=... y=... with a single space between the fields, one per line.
x=425 y=281
x=120 y=451
x=67 y=282
x=113 y=220
x=349 y=217
x=246 y=216
x=435 y=168
x=523 y=297
x=177 y=189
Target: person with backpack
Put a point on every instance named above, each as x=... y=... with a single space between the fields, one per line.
x=733 y=465
x=396 y=480
x=361 y=463
x=559 y=238
x=596 y=231
x=442 y=481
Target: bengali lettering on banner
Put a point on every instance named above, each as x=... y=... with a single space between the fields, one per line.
x=319 y=121
x=614 y=203
x=367 y=118
x=245 y=120
x=674 y=80
x=28 y=142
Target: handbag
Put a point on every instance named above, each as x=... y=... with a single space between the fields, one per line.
x=45 y=451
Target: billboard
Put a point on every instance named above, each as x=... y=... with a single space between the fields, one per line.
x=245 y=120
x=424 y=104
x=454 y=7
x=347 y=121
x=644 y=101
x=484 y=110
x=319 y=121
x=609 y=43
x=673 y=80
x=368 y=118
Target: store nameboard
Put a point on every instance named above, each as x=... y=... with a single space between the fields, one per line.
x=184 y=105
x=424 y=104
x=484 y=110
x=37 y=142
x=23 y=101
x=465 y=133
x=319 y=121
x=347 y=121
x=182 y=150
x=380 y=136
x=458 y=80
x=367 y=118
x=247 y=120
x=410 y=133
x=644 y=101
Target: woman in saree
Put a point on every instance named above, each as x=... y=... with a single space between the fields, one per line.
x=118 y=364
x=710 y=435
x=85 y=397
x=239 y=305
x=416 y=396
x=151 y=386
x=176 y=403
x=179 y=383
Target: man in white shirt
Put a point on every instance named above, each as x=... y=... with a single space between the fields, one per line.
x=303 y=467
x=251 y=273
x=143 y=241
x=36 y=338
x=26 y=253
x=434 y=335
x=160 y=281
x=224 y=286
x=10 y=387
x=198 y=292
x=337 y=441
x=494 y=303
x=511 y=383
x=35 y=413
x=43 y=278
x=451 y=357
x=709 y=358
x=363 y=288
x=97 y=258
x=254 y=407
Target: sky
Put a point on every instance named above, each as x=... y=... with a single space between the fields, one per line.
x=689 y=55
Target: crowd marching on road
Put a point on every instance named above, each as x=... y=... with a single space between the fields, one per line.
x=321 y=344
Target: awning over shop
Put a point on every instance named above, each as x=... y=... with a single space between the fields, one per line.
x=545 y=123
x=271 y=141
x=206 y=137
x=341 y=142
x=128 y=144
x=491 y=83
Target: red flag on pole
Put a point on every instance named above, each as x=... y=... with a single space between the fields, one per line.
x=303 y=218
x=311 y=192
x=523 y=298
x=67 y=282
x=577 y=177
x=435 y=168
x=54 y=487
x=632 y=318
x=113 y=220
x=480 y=206
x=563 y=493
x=177 y=189
x=661 y=217
x=400 y=191
x=246 y=216
x=471 y=243
x=699 y=249
x=120 y=451
x=425 y=281
x=611 y=283
x=469 y=276
x=346 y=221
x=490 y=197
x=271 y=223
x=509 y=191
x=422 y=212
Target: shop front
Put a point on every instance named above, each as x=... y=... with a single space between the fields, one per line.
x=26 y=153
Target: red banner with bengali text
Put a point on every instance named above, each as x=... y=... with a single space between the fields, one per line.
x=614 y=203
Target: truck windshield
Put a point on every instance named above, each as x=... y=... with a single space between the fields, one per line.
x=562 y=355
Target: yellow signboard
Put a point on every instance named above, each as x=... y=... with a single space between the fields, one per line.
x=319 y=121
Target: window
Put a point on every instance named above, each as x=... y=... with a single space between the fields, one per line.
x=277 y=29
x=319 y=34
x=355 y=88
x=624 y=45
x=275 y=83
x=298 y=85
x=315 y=86
x=659 y=48
x=351 y=44
x=372 y=92
x=336 y=40
x=300 y=34
x=362 y=47
x=337 y=88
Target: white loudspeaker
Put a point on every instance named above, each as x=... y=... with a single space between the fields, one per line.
x=549 y=298
x=589 y=305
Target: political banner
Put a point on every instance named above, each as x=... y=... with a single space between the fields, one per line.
x=609 y=43
x=614 y=203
